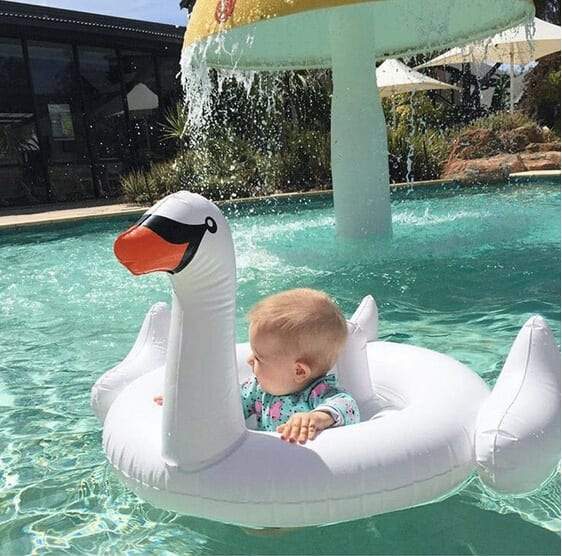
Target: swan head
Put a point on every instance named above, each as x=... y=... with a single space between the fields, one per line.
x=173 y=234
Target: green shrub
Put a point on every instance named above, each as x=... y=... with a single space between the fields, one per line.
x=420 y=110
x=541 y=97
x=502 y=121
x=213 y=172
x=245 y=153
x=416 y=156
x=174 y=125
x=138 y=187
x=303 y=161
x=226 y=166
x=417 y=137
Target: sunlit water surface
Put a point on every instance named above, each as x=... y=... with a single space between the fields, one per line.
x=463 y=273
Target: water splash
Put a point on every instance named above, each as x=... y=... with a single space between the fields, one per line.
x=410 y=155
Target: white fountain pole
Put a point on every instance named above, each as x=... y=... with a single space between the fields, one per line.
x=359 y=146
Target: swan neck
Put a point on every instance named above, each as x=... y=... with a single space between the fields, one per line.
x=202 y=412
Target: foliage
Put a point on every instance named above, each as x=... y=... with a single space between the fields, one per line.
x=138 y=187
x=174 y=125
x=549 y=10
x=227 y=166
x=417 y=137
x=416 y=156
x=304 y=160
x=280 y=141
x=267 y=134
x=502 y=121
x=423 y=108
x=541 y=99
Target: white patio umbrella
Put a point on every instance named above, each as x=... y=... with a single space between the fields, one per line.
x=519 y=45
x=395 y=77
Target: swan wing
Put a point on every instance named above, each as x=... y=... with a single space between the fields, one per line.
x=517 y=439
x=147 y=354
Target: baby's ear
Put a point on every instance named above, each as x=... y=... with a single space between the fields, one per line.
x=302 y=371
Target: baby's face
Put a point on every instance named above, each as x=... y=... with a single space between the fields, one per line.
x=276 y=367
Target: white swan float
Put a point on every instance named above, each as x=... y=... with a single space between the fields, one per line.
x=428 y=421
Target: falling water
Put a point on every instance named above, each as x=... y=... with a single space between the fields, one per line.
x=410 y=155
x=255 y=110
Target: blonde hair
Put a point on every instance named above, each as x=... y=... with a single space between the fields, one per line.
x=308 y=321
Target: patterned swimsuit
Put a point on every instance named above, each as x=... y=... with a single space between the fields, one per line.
x=323 y=394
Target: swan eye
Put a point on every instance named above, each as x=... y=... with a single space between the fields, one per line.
x=211 y=224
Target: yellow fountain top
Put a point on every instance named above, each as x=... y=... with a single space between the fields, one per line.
x=210 y=17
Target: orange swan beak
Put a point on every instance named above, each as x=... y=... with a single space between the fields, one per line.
x=142 y=251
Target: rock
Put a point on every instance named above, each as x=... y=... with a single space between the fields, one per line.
x=548 y=135
x=483 y=155
x=542 y=147
x=541 y=160
x=475 y=143
x=515 y=140
x=484 y=170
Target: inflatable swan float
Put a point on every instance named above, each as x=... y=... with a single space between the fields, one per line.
x=428 y=421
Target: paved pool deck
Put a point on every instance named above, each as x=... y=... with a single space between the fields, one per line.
x=82 y=210
x=65 y=212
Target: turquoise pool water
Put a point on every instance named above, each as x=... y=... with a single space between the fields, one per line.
x=465 y=270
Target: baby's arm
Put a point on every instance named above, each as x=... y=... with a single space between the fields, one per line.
x=331 y=407
x=248 y=396
x=339 y=404
x=305 y=426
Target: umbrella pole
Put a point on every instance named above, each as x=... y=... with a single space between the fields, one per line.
x=511 y=82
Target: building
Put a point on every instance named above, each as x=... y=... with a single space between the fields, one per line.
x=82 y=97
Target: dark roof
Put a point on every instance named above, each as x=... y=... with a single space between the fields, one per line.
x=28 y=15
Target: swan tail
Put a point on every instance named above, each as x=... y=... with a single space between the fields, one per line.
x=147 y=354
x=366 y=318
x=517 y=436
x=352 y=366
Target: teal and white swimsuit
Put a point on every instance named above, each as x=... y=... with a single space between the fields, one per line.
x=323 y=394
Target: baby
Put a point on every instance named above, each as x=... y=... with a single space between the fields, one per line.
x=296 y=337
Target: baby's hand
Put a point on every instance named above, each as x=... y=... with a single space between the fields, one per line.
x=305 y=426
x=159 y=400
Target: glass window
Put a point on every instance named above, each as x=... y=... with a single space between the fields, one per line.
x=143 y=102
x=22 y=178
x=171 y=94
x=60 y=122
x=105 y=114
x=170 y=83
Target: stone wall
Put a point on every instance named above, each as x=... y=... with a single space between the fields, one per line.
x=486 y=155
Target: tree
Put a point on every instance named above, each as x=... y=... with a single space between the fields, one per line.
x=549 y=10
x=541 y=99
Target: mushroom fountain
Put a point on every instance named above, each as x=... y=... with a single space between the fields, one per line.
x=347 y=36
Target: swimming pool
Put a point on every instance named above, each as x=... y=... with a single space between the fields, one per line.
x=464 y=271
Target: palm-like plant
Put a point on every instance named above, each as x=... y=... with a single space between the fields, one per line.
x=174 y=127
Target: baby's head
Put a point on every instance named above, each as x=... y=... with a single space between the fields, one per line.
x=296 y=337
